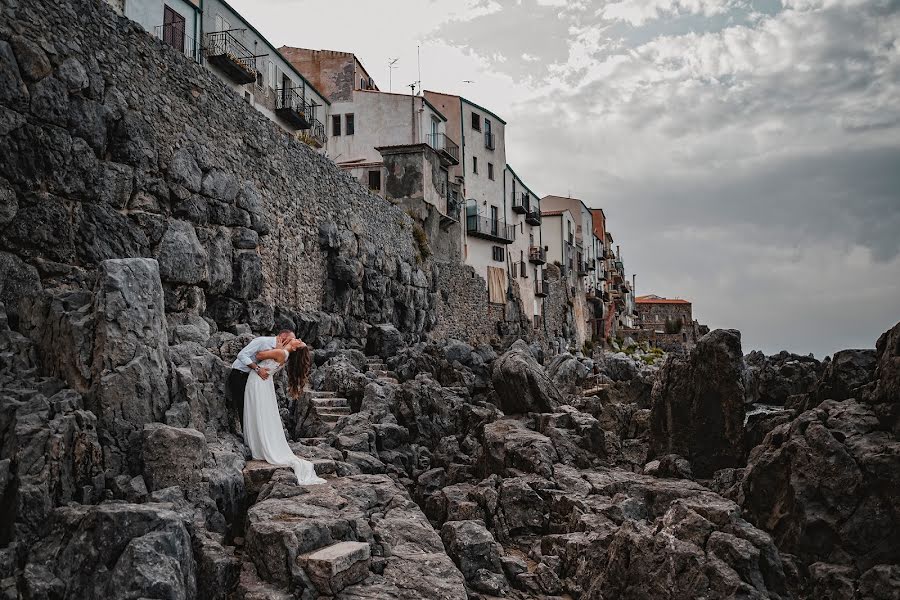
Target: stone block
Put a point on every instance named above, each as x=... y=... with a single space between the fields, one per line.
x=336 y=566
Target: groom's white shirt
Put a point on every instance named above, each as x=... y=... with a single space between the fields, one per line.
x=247 y=356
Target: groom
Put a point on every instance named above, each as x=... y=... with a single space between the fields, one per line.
x=246 y=362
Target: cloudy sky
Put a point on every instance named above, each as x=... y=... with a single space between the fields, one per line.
x=746 y=152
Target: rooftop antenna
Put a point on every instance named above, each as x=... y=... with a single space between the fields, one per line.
x=391 y=68
x=419 y=67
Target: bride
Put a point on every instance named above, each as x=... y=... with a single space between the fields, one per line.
x=263 y=431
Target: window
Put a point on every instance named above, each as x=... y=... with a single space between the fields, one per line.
x=498 y=253
x=476 y=121
x=515 y=270
x=349 y=123
x=490 y=170
x=375 y=180
x=271 y=74
x=335 y=125
x=487 y=126
x=475 y=165
x=495 y=218
x=173 y=28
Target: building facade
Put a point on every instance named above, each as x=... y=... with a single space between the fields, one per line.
x=212 y=33
x=527 y=254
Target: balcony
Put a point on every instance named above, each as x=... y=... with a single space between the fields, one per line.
x=293 y=109
x=533 y=217
x=522 y=203
x=541 y=289
x=172 y=34
x=601 y=275
x=489 y=140
x=316 y=134
x=444 y=146
x=592 y=265
x=581 y=268
x=537 y=255
x=224 y=51
x=490 y=229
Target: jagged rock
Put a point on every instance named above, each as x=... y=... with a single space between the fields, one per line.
x=847 y=371
x=198 y=380
x=618 y=366
x=112 y=551
x=521 y=384
x=822 y=485
x=173 y=456
x=698 y=405
x=511 y=448
x=360 y=508
x=885 y=398
x=473 y=549
x=773 y=379
x=762 y=419
x=669 y=465
x=130 y=367
x=384 y=340
x=18 y=280
x=182 y=259
x=218 y=569
x=568 y=373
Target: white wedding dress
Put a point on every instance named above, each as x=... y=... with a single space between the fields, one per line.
x=263 y=431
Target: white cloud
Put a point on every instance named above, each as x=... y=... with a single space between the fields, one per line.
x=639 y=12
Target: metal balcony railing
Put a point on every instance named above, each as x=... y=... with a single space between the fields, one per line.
x=316 y=134
x=489 y=140
x=231 y=56
x=444 y=145
x=541 y=288
x=533 y=217
x=537 y=255
x=521 y=203
x=292 y=106
x=173 y=35
x=491 y=229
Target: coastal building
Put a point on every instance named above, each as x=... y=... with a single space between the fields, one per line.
x=481 y=173
x=394 y=144
x=526 y=253
x=214 y=34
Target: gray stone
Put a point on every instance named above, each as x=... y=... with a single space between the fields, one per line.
x=334 y=567
x=13 y=92
x=130 y=369
x=103 y=233
x=17 y=280
x=472 y=547
x=220 y=185
x=50 y=101
x=384 y=340
x=184 y=171
x=182 y=259
x=33 y=62
x=72 y=73
x=8 y=203
x=247 y=275
x=521 y=384
x=173 y=457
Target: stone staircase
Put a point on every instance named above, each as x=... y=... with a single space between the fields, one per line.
x=377 y=366
x=329 y=407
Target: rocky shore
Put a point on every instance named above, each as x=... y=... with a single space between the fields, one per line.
x=452 y=471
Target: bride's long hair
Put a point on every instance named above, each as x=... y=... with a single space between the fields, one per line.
x=298 y=365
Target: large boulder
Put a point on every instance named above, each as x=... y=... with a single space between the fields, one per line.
x=509 y=449
x=885 y=398
x=773 y=379
x=130 y=367
x=384 y=340
x=173 y=456
x=113 y=551
x=521 y=384
x=826 y=486
x=698 y=405
x=568 y=373
x=473 y=549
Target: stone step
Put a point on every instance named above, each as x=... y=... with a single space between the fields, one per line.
x=312 y=441
x=377 y=368
x=326 y=402
x=334 y=567
x=317 y=394
x=384 y=373
x=388 y=380
x=333 y=410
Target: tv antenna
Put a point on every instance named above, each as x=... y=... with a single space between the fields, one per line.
x=391 y=68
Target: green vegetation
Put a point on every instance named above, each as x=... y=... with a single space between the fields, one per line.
x=421 y=242
x=588 y=348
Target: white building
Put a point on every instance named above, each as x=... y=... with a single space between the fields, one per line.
x=212 y=33
x=527 y=254
x=481 y=172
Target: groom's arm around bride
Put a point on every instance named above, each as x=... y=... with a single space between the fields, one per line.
x=246 y=362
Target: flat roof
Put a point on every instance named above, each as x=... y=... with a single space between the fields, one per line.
x=425 y=100
x=275 y=50
x=654 y=299
x=344 y=52
x=470 y=103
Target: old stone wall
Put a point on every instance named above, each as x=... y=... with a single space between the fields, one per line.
x=657 y=313
x=462 y=305
x=113 y=145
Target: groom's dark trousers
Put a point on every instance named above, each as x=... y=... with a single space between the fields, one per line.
x=237 y=381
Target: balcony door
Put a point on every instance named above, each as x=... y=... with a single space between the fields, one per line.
x=173 y=28
x=285 y=91
x=495 y=218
